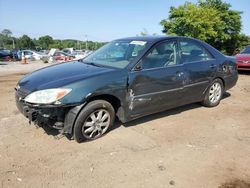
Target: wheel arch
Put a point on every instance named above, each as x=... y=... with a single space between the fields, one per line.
x=73 y=114
x=217 y=77
x=205 y=101
x=223 y=81
x=113 y=100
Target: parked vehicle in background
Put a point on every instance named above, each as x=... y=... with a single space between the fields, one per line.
x=29 y=54
x=14 y=54
x=55 y=55
x=128 y=78
x=62 y=56
x=78 y=54
x=5 y=55
x=68 y=50
x=8 y=55
x=243 y=59
x=44 y=51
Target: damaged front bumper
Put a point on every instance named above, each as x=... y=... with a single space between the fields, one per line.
x=61 y=117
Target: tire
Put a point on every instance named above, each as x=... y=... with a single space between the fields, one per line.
x=93 y=121
x=213 y=95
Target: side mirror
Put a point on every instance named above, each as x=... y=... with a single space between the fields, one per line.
x=138 y=67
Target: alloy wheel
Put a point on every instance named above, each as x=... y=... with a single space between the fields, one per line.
x=215 y=92
x=96 y=124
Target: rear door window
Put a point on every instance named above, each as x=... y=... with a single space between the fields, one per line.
x=192 y=52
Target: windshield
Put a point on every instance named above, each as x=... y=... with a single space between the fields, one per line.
x=246 y=50
x=116 y=54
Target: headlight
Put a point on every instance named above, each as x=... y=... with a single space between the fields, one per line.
x=47 y=96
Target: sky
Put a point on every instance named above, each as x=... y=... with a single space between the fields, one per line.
x=97 y=20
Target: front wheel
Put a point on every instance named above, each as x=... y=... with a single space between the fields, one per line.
x=94 y=120
x=213 y=94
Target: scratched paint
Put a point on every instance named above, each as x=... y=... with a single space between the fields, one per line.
x=131 y=99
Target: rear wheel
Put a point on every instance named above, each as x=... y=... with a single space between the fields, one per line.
x=94 y=120
x=214 y=94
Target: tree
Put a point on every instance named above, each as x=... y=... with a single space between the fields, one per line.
x=211 y=21
x=45 y=41
x=25 y=42
x=56 y=44
x=6 y=41
x=192 y=21
x=6 y=32
x=236 y=43
x=231 y=20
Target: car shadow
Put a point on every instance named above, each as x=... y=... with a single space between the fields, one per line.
x=162 y=114
x=158 y=115
x=57 y=135
x=48 y=130
x=244 y=72
x=226 y=95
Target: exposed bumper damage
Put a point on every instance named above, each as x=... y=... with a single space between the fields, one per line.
x=58 y=117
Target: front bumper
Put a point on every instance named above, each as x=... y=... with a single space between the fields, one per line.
x=52 y=116
x=243 y=66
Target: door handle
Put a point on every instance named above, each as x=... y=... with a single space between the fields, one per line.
x=213 y=66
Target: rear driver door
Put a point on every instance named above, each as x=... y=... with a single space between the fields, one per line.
x=199 y=68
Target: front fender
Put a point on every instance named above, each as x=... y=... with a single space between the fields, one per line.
x=70 y=118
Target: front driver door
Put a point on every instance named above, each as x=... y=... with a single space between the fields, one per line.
x=156 y=82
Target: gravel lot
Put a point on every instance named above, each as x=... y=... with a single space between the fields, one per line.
x=187 y=147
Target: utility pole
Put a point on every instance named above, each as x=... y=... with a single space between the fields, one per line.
x=13 y=43
x=86 y=42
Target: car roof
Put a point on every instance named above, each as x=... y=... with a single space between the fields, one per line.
x=156 y=38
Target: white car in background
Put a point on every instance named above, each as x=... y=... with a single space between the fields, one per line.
x=29 y=54
x=80 y=54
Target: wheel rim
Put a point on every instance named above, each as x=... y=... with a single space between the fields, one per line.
x=96 y=124
x=215 y=92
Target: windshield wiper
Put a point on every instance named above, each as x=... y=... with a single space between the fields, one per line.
x=93 y=64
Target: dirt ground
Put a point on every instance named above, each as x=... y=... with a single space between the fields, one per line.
x=187 y=147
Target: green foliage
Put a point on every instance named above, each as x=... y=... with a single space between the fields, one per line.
x=69 y=43
x=6 y=32
x=212 y=21
x=25 y=42
x=192 y=21
x=56 y=44
x=44 y=42
x=236 y=44
x=6 y=41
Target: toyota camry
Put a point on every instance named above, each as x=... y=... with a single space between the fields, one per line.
x=127 y=78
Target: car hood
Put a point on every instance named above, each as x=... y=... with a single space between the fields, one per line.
x=243 y=56
x=60 y=75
